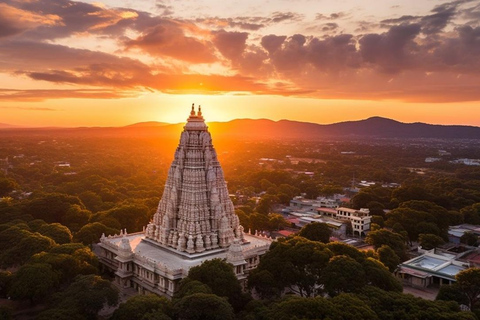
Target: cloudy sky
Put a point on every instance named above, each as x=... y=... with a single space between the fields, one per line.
x=116 y=62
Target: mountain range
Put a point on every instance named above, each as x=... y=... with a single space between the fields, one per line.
x=375 y=127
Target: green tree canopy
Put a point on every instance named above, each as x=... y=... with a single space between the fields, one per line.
x=140 y=307
x=201 y=306
x=468 y=281
x=86 y=296
x=92 y=232
x=343 y=274
x=295 y=263
x=316 y=231
x=388 y=257
x=430 y=241
x=382 y=237
x=33 y=282
x=218 y=275
x=56 y=231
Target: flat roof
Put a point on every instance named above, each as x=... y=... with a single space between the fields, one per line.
x=148 y=250
x=427 y=262
x=451 y=270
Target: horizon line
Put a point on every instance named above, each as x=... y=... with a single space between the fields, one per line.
x=4 y=126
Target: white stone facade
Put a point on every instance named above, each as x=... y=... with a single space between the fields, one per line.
x=360 y=219
x=195 y=221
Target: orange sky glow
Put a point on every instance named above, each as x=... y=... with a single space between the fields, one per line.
x=113 y=63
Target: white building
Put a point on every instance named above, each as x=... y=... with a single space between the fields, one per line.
x=361 y=219
x=434 y=267
x=195 y=221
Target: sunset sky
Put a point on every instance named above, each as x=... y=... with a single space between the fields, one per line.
x=117 y=62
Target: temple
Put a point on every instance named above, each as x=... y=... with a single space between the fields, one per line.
x=195 y=221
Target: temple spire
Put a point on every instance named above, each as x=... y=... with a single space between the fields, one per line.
x=195 y=213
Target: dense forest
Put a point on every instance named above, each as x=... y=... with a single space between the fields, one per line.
x=59 y=191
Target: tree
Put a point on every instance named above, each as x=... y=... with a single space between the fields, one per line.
x=6 y=278
x=6 y=313
x=468 y=281
x=342 y=274
x=87 y=295
x=188 y=286
x=382 y=237
x=201 y=306
x=294 y=307
x=265 y=284
x=6 y=186
x=133 y=216
x=469 y=238
x=295 y=263
x=316 y=231
x=388 y=257
x=350 y=306
x=51 y=207
x=59 y=233
x=69 y=260
x=429 y=241
x=76 y=217
x=259 y=222
x=340 y=248
x=92 y=232
x=398 y=306
x=33 y=282
x=20 y=252
x=220 y=278
x=452 y=292
x=139 y=307
x=378 y=275
x=276 y=222
x=266 y=203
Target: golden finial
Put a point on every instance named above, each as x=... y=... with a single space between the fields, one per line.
x=192 y=113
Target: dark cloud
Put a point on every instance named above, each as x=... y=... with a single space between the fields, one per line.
x=34 y=56
x=249 y=23
x=285 y=16
x=402 y=20
x=391 y=51
x=168 y=39
x=244 y=23
x=328 y=27
x=230 y=44
x=41 y=95
x=14 y=21
x=332 y=16
x=76 y=18
x=272 y=42
x=437 y=21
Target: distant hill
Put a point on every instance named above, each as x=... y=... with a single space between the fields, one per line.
x=375 y=127
x=372 y=127
x=7 y=126
x=147 y=124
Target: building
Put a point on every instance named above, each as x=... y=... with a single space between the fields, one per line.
x=195 y=221
x=339 y=227
x=455 y=233
x=300 y=204
x=360 y=219
x=435 y=267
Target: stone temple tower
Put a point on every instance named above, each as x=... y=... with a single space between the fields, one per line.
x=195 y=213
x=195 y=221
